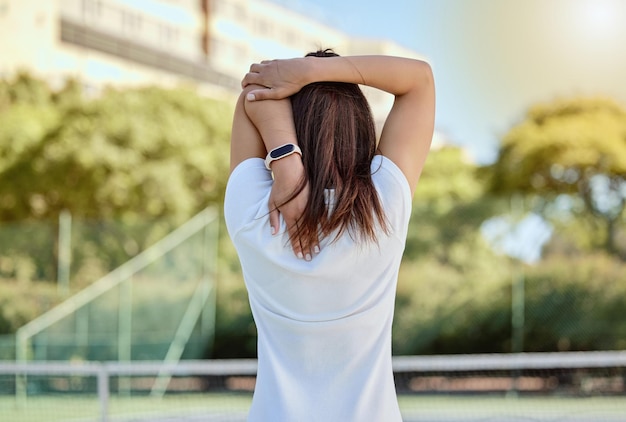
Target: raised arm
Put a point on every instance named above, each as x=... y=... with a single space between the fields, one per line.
x=259 y=127
x=409 y=127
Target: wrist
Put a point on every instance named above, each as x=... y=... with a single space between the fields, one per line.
x=287 y=167
x=281 y=152
x=311 y=70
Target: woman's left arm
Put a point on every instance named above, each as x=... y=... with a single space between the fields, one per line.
x=259 y=127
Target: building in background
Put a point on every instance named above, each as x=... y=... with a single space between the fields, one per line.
x=210 y=43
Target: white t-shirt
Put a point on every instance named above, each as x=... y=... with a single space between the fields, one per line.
x=324 y=326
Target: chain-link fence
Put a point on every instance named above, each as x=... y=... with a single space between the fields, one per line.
x=159 y=304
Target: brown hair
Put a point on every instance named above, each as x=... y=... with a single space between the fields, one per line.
x=335 y=130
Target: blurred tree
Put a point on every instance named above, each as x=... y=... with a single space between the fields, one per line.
x=132 y=156
x=575 y=304
x=450 y=205
x=450 y=277
x=571 y=155
x=137 y=153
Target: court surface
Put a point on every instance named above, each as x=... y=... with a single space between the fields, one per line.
x=415 y=408
x=463 y=409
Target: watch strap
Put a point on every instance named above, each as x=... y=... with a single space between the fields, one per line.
x=282 y=151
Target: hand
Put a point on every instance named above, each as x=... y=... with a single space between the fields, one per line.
x=288 y=174
x=282 y=78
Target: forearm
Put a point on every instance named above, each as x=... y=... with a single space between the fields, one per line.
x=273 y=120
x=269 y=124
x=395 y=75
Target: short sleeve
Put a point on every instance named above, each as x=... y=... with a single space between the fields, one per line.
x=247 y=194
x=394 y=192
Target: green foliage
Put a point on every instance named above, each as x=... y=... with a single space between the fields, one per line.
x=450 y=205
x=454 y=293
x=235 y=332
x=93 y=332
x=128 y=154
x=562 y=144
x=27 y=251
x=24 y=89
x=444 y=309
x=576 y=304
x=569 y=305
x=577 y=148
x=128 y=165
x=145 y=159
x=450 y=280
x=20 y=302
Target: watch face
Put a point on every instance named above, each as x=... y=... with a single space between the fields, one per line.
x=280 y=151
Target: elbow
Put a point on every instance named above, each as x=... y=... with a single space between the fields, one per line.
x=424 y=76
x=423 y=85
x=419 y=82
x=250 y=107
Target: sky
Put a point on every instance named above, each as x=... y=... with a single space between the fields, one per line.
x=493 y=59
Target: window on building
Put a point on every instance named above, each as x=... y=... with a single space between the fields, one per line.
x=131 y=21
x=169 y=34
x=93 y=8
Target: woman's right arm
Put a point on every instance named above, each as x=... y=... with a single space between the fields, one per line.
x=409 y=127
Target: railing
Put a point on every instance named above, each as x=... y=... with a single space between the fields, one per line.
x=104 y=371
x=529 y=386
x=199 y=305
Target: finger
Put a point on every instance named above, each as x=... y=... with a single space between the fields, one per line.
x=300 y=248
x=294 y=239
x=274 y=220
x=307 y=253
x=307 y=250
x=249 y=79
x=263 y=94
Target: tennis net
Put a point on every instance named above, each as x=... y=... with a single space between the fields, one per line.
x=585 y=386
x=573 y=386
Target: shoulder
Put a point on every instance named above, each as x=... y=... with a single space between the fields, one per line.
x=393 y=190
x=247 y=193
x=384 y=168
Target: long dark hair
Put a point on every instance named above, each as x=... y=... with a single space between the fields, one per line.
x=336 y=132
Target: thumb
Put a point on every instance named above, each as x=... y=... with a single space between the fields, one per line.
x=262 y=94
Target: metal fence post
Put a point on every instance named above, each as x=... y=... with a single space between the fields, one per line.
x=65 y=253
x=103 y=392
